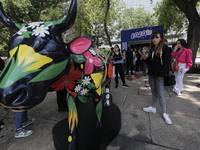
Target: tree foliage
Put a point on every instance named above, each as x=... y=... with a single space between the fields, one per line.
x=171 y=17
x=91 y=19
x=134 y=18
x=24 y=11
x=95 y=18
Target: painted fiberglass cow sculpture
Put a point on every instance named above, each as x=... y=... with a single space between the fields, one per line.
x=40 y=60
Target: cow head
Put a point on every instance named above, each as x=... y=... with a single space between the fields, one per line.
x=37 y=58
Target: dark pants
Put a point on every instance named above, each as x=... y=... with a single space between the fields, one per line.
x=61 y=100
x=137 y=65
x=129 y=65
x=144 y=67
x=119 y=69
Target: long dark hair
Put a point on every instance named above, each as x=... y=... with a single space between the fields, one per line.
x=183 y=43
x=117 y=47
x=157 y=49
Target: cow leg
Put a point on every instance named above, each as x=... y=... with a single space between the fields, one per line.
x=61 y=100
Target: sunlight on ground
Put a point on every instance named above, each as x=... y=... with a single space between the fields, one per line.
x=192 y=99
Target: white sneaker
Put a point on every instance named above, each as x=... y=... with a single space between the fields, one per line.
x=150 y=109
x=167 y=119
x=22 y=133
x=178 y=93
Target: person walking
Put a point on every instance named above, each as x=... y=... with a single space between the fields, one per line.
x=158 y=62
x=118 y=63
x=124 y=58
x=21 y=121
x=129 y=60
x=183 y=56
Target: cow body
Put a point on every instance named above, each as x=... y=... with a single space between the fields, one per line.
x=39 y=60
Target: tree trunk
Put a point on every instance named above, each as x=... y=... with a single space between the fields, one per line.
x=105 y=23
x=193 y=38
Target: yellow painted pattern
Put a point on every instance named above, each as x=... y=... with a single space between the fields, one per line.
x=69 y=138
x=72 y=119
x=97 y=78
x=28 y=55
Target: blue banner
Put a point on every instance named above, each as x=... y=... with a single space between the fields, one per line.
x=139 y=34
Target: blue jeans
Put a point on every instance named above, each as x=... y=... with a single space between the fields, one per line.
x=20 y=117
x=157 y=89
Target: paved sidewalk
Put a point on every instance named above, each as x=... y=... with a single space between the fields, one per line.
x=139 y=131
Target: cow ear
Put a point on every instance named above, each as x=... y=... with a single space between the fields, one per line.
x=80 y=45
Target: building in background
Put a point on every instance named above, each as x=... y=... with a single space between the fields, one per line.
x=138 y=38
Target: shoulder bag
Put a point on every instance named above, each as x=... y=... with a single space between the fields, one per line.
x=174 y=65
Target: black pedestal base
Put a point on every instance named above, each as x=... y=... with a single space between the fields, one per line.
x=90 y=137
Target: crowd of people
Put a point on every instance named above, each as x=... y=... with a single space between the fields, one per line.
x=155 y=60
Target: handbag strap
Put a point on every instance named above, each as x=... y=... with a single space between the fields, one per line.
x=179 y=55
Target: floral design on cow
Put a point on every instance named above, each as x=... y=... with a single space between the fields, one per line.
x=40 y=60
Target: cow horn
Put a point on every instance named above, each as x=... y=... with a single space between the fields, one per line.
x=9 y=23
x=69 y=20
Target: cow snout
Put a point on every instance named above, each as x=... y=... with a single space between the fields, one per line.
x=15 y=99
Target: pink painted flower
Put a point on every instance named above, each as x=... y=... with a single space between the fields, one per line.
x=90 y=62
x=96 y=100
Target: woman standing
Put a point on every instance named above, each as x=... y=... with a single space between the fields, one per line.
x=118 y=63
x=129 y=60
x=138 y=61
x=184 y=58
x=158 y=62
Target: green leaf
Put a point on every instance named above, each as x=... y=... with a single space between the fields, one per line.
x=15 y=72
x=50 y=72
x=70 y=103
x=26 y=34
x=59 y=21
x=79 y=81
x=47 y=24
x=89 y=94
x=83 y=99
x=91 y=86
x=18 y=25
x=78 y=58
x=99 y=108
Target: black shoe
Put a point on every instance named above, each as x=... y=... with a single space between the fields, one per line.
x=116 y=86
x=125 y=86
